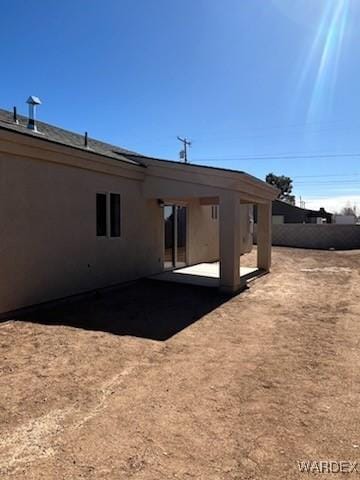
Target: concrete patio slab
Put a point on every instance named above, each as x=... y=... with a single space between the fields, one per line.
x=202 y=274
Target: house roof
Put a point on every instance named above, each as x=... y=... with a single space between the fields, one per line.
x=289 y=206
x=147 y=160
x=66 y=137
x=76 y=140
x=53 y=134
x=58 y=135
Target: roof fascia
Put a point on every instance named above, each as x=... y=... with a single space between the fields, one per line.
x=237 y=181
x=22 y=145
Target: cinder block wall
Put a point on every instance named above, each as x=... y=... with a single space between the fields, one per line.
x=340 y=237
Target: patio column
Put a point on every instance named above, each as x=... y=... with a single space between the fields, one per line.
x=229 y=233
x=264 y=240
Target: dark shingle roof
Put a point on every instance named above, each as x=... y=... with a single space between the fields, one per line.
x=60 y=136
x=65 y=137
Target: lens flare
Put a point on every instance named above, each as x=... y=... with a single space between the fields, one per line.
x=326 y=51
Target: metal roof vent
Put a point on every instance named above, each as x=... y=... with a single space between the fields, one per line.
x=32 y=102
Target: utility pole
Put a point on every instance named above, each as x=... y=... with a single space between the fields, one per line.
x=183 y=153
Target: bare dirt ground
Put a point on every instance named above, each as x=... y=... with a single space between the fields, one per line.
x=164 y=381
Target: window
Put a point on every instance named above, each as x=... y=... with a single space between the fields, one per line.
x=115 y=214
x=101 y=229
x=214 y=212
x=108 y=215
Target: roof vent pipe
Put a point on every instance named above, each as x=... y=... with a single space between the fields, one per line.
x=15 y=116
x=86 y=139
x=32 y=102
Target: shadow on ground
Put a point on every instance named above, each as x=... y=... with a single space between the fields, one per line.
x=148 y=309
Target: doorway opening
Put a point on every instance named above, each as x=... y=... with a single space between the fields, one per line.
x=175 y=236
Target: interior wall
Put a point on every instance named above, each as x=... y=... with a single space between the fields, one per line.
x=48 y=243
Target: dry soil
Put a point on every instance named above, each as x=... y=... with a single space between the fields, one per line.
x=163 y=381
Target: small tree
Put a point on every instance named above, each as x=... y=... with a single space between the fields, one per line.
x=284 y=184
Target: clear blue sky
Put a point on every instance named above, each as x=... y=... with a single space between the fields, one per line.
x=240 y=78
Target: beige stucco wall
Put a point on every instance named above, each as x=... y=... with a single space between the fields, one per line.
x=246 y=228
x=48 y=243
x=204 y=233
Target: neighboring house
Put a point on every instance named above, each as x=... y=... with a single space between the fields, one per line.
x=78 y=214
x=283 y=212
x=345 y=219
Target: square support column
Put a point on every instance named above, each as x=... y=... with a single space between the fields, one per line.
x=229 y=232
x=264 y=239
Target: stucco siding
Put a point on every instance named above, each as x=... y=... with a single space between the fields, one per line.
x=204 y=233
x=203 y=236
x=49 y=247
x=246 y=228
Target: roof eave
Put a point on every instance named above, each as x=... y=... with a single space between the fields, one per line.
x=38 y=137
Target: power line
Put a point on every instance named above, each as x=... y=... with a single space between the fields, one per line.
x=278 y=157
x=337 y=175
x=220 y=138
x=329 y=182
x=283 y=127
x=331 y=196
x=290 y=132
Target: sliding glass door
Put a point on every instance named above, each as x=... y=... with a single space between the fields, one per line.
x=181 y=219
x=175 y=231
x=169 y=224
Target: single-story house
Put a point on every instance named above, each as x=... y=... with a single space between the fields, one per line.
x=78 y=214
x=284 y=212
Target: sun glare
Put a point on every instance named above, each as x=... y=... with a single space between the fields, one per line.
x=324 y=57
x=326 y=52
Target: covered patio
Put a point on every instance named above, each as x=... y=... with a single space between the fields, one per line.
x=170 y=182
